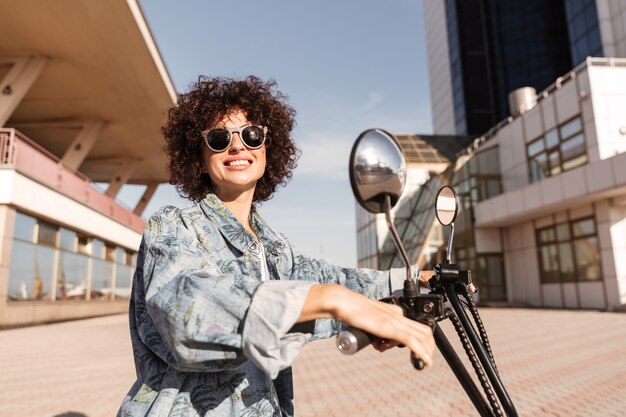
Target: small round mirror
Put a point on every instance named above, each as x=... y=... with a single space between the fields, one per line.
x=377 y=169
x=446 y=205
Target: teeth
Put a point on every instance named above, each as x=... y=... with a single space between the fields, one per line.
x=238 y=162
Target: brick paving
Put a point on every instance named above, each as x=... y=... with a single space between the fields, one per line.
x=553 y=363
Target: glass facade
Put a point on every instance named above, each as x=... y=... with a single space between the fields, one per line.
x=497 y=46
x=476 y=180
x=559 y=149
x=568 y=252
x=583 y=29
x=367 y=242
x=414 y=222
x=52 y=263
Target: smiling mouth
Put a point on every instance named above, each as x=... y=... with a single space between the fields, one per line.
x=238 y=162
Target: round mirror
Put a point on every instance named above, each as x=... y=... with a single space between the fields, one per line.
x=377 y=169
x=446 y=205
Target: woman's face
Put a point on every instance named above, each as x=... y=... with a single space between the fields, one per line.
x=237 y=169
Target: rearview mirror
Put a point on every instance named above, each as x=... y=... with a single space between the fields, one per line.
x=446 y=206
x=377 y=170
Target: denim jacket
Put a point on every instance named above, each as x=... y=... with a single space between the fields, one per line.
x=209 y=337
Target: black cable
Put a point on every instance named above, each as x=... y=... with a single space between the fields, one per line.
x=484 y=382
x=481 y=328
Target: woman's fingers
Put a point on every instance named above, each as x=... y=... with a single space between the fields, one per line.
x=387 y=322
x=382 y=345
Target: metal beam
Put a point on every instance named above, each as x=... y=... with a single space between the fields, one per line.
x=121 y=177
x=17 y=82
x=80 y=147
x=145 y=198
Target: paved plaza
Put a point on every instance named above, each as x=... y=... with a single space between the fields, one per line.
x=553 y=363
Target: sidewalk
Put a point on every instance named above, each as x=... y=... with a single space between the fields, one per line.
x=553 y=363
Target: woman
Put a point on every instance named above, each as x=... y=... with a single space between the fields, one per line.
x=221 y=303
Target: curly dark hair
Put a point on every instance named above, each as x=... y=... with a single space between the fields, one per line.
x=207 y=102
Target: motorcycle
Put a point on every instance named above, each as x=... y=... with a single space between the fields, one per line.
x=377 y=177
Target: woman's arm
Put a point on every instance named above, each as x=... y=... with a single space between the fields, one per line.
x=383 y=320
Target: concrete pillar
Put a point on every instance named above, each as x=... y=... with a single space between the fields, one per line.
x=145 y=198
x=121 y=177
x=80 y=147
x=17 y=82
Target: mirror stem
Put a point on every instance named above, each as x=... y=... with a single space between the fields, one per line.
x=449 y=254
x=396 y=238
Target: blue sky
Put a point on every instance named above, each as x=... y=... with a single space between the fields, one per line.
x=346 y=66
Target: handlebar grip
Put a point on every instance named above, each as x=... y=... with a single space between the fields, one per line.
x=417 y=363
x=352 y=340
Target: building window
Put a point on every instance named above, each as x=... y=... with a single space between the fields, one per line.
x=568 y=252
x=559 y=149
x=45 y=256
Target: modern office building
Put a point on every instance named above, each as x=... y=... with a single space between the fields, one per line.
x=481 y=50
x=543 y=190
x=83 y=91
x=543 y=195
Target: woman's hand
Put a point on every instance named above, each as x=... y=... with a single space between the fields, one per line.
x=425 y=276
x=382 y=320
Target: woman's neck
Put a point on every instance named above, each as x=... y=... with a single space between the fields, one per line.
x=239 y=205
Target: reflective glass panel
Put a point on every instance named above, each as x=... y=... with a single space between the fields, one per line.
x=122 y=281
x=67 y=240
x=555 y=159
x=30 y=272
x=584 y=227
x=102 y=280
x=566 y=258
x=546 y=235
x=97 y=248
x=587 y=259
x=570 y=128
x=72 y=280
x=552 y=138
x=576 y=162
x=535 y=147
x=120 y=256
x=24 y=227
x=573 y=147
x=562 y=232
x=549 y=263
x=47 y=234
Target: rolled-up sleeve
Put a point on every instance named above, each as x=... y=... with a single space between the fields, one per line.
x=275 y=308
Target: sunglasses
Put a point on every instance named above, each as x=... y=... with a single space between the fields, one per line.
x=220 y=138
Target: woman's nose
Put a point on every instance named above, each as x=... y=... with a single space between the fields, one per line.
x=236 y=143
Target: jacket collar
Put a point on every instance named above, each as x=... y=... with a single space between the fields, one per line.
x=235 y=233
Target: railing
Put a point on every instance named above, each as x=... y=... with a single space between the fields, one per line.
x=571 y=75
x=30 y=159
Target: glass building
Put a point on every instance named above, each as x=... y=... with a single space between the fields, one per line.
x=496 y=46
x=543 y=200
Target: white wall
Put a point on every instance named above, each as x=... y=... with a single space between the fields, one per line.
x=37 y=199
x=612 y=19
x=521 y=264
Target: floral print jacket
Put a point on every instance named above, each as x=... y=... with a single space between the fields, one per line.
x=209 y=337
